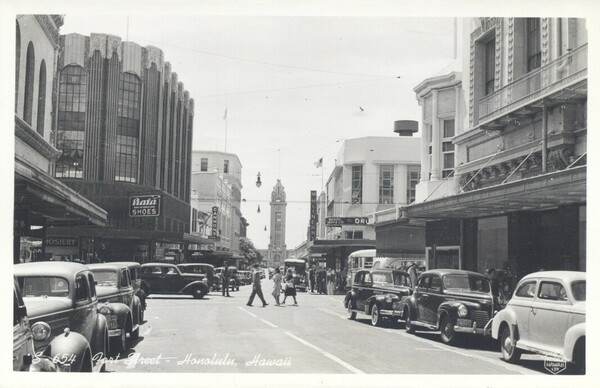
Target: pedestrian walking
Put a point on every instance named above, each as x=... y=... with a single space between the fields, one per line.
x=322 y=281
x=277 y=285
x=412 y=272
x=290 y=288
x=225 y=276
x=330 y=279
x=343 y=279
x=311 y=278
x=256 y=288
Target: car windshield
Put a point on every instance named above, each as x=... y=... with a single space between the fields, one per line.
x=401 y=279
x=44 y=286
x=106 y=278
x=382 y=277
x=466 y=283
x=578 y=289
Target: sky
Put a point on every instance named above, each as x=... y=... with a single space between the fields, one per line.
x=292 y=86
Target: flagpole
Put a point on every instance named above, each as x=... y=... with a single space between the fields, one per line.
x=321 y=177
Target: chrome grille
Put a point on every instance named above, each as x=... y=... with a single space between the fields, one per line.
x=481 y=317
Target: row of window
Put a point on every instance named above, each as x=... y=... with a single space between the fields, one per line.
x=204 y=165
x=386 y=184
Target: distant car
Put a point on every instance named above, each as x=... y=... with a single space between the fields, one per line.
x=24 y=356
x=122 y=309
x=546 y=315
x=452 y=301
x=166 y=278
x=136 y=281
x=379 y=293
x=62 y=306
x=207 y=270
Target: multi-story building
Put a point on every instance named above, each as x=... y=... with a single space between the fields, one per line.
x=124 y=129
x=371 y=175
x=42 y=201
x=515 y=199
x=277 y=251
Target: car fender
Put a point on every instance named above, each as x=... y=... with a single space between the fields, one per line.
x=142 y=297
x=69 y=348
x=411 y=303
x=100 y=338
x=194 y=284
x=573 y=335
x=450 y=308
x=504 y=315
x=137 y=307
x=121 y=310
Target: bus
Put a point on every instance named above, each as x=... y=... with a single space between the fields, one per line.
x=299 y=270
x=358 y=260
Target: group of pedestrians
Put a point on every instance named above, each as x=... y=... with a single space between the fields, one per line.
x=279 y=283
x=323 y=279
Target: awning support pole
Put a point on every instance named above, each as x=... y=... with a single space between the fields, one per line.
x=544 y=138
x=520 y=164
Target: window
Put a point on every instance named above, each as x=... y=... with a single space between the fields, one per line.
x=424 y=282
x=72 y=99
x=226 y=167
x=448 y=148
x=386 y=184
x=92 y=284
x=81 y=289
x=382 y=277
x=578 y=289
x=534 y=50
x=552 y=291
x=489 y=63
x=357 y=177
x=204 y=164
x=128 y=125
x=29 y=78
x=411 y=184
x=41 y=111
x=436 y=283
x=123 y=279
x=526 y=290
x=354 y=235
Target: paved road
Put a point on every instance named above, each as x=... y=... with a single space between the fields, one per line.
x=223 y=335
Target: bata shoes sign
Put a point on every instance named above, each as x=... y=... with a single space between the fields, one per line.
x=144 y=206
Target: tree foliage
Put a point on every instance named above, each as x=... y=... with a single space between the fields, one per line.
x=248 y=250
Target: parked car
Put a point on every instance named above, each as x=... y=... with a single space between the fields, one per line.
x=234 y=280
x=166 y=278
x=546 y=315
x=207 y=270
x=122 y=309
x=452 y=301
x=379 y=293
x=24 y=356
x=63 y=310
x=136 y=282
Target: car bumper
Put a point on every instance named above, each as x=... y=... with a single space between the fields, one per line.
x=115 y=332
x=486 y=331
x=391 y=313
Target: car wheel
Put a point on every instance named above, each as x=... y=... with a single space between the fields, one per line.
x=351 y=314
x=198 y=293
x=136 y=333
x=578 y=365
x=375 y=316
x=408 y=325
x=510 y=353
x=447 y=331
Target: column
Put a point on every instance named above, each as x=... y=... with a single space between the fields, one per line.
x=457 y=123
x=424 y=144
x=435 y=141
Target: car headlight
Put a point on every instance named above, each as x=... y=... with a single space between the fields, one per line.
x=104 y=310
x=40 y=331
x=391 y=298
x=462 y=311
x=205 y=280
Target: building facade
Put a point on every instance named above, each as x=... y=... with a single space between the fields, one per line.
x=41 y=201
x=516 y=200
x=124 y=126
x=277 y=251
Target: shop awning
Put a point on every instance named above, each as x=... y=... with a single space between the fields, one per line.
x=50 y=201
x=541 y=192
x=323 y=246
x=195 y=239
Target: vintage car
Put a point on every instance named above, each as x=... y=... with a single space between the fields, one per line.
x=136 y=281
x=234 y=279
x=546 y=315
x=379 y=293
x=204 y=269
x=117 y=302
x=24 y=356
x=452 y=301
x=63 y=311
x=166 y=278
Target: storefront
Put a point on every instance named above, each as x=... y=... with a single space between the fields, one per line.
x=334 y=253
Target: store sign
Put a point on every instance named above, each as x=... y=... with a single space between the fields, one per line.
x=313 y=215
x=144 y=206
x=215 y=224
x=62 y=241
x=339 y=221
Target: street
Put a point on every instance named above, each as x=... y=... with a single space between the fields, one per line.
x=223 y=335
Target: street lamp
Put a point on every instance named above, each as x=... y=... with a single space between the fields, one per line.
x=258 y=182
x=258 y=210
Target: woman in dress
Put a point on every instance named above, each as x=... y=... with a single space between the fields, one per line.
x=290 y=288
x=277 y=285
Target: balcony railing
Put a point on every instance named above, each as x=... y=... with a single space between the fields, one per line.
x=546 y=79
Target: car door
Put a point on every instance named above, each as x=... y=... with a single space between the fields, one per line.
x=153 y=277
x=125 y=288
x=422 y=296
x=432 y=300
x=83 y=318
x=521 y=304
x=549 y=316
x=359 y=283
